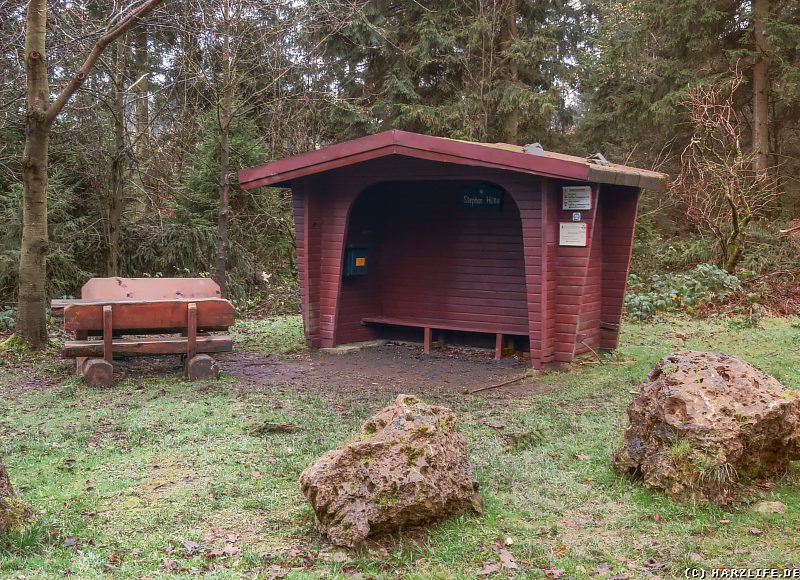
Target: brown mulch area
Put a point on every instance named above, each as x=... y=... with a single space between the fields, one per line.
x=778 y=294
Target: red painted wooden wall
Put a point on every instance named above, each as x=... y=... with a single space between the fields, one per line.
x=432 y=259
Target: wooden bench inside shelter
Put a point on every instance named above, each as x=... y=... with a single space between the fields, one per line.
x=428 y=325
x=123 y=315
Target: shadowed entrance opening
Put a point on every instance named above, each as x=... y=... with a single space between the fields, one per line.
x=443 y=254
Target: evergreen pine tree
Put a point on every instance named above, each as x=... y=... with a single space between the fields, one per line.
x=487 y=71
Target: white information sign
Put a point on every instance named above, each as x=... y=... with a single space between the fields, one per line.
x=573 y=234
x=575 y=197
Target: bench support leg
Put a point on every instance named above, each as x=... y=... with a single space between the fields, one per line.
x=498 y=346
x=80 y=335
x=191 y=331
x=201 y=366
x=108 y=335
x=426 y=345
x=97 y=372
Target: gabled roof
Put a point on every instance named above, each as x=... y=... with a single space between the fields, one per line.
x=495 y=155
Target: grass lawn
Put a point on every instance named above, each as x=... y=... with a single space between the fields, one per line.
x=159 y=477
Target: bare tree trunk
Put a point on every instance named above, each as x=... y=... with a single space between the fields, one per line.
x=761 y=87
x=31 y=321
x=225 y=115
x=39 y=116
x=116 y=189
x=508 y=33
x=220 y=275
x=142 y=95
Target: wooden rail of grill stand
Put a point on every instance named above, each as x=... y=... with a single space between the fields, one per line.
x=96 y=356
x=145 y=306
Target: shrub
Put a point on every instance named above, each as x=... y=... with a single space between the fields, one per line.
x=674 y=292
x=8 y=317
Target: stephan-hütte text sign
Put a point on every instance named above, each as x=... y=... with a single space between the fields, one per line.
x=483 y=196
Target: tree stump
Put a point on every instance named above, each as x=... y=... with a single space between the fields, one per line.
x=12 y=512
x=98 y=372
x=201 y=366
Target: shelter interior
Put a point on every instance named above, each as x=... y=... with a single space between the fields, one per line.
x=435 y=258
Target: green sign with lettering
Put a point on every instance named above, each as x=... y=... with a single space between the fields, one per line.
x=483 y=196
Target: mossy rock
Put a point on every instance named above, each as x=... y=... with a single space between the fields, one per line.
x=407 y=465
x=13 y=513
x=705 y=424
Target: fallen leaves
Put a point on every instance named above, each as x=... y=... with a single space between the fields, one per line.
x=276 y=571
x=506 y=560
x=170 y=565
x=228 y=550
x=603 y=569
x=489 y=568
x=652 y=565
x=294 y=559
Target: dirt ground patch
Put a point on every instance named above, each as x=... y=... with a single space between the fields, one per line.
x=385 y=371
x=366 y=374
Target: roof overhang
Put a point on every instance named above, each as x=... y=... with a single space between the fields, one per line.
x=497 y=156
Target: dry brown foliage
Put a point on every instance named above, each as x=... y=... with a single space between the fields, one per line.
x=718 y=185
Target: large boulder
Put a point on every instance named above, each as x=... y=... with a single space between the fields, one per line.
x=704 y=423
x=12 y=512
x=407 y=466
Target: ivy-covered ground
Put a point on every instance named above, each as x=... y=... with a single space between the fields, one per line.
x=158 y=477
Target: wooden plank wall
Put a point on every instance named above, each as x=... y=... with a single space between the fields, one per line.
x=619 y=223
x=299 y=202
x=433 y=259
x=572 y=269
x=588 y=331
x=330 y=198
x=564 y=290
x=543 y=351
x=361 y=296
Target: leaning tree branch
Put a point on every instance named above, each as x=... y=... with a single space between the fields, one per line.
x=110 y=36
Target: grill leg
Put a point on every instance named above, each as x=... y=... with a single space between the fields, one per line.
x=80 y=335
x=426 y=347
